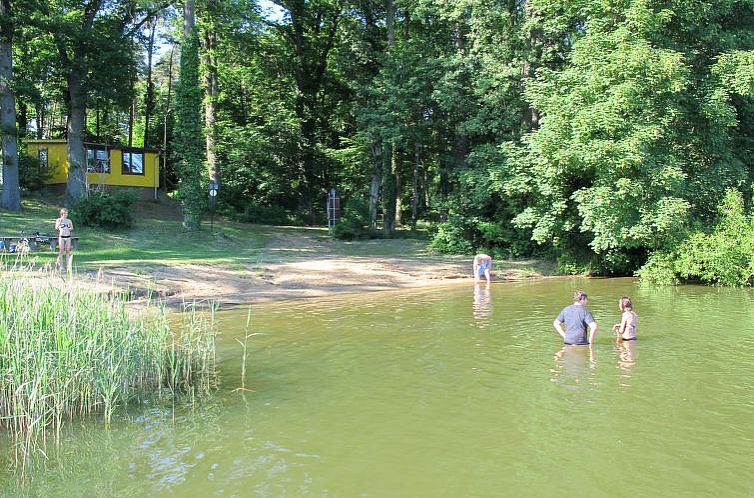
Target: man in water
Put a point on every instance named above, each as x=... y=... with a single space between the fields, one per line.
x=576 y=318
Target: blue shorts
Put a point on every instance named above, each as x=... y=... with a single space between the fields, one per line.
x=483 y=266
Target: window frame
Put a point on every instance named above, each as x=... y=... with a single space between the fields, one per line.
x=92 y=168
x=127 y=166
x=44 y=165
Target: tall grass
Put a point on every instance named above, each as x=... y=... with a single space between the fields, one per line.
x=68 y=352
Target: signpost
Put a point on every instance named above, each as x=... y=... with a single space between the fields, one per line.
x=213 y=188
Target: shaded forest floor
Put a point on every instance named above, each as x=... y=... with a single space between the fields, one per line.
x=237 y=263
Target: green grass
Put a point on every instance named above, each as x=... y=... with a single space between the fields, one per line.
x=68 y=352
x=157 y=238
x=151 y=241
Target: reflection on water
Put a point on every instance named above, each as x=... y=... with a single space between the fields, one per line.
x=573 y=365
x=406 y=394
x=626 y=354
x=482 y=303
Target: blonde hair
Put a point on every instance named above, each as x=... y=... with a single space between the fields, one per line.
x=63 y=210
x=625 y=303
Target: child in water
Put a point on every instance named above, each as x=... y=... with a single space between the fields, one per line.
x=626 y=329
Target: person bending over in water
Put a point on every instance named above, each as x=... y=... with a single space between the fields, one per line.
x=482 y=266
x=626 y=329
x=576 y=318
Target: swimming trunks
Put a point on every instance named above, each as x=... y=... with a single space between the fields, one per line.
x=483 y=266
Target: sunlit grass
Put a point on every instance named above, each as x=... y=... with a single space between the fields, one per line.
x=157 y=240
x=160 y=241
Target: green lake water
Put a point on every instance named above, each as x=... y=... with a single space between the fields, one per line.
x=445 y=392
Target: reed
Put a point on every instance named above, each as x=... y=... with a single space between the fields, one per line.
x=244 y=346
x=67 y=352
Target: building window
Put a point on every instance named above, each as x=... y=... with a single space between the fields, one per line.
x=43 y=162
x=97 y=160
x=133 y=163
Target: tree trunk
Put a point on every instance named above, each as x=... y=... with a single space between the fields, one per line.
x=398 y=189
x=188 y=144
x=388 y=196
x=149 y=99
x=390 y=22
x=374 y=190
x=388 y=180
x=211 y=92
x=131 y=113
x=312 y=34
x=76 y=186
x=40 y=120
x=165 y=154
x=23 y=119
x=11 y=197
x=415 y=189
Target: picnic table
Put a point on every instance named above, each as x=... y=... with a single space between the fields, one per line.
x=33 y=241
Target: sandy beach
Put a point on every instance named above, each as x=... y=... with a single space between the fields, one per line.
x=317 y=268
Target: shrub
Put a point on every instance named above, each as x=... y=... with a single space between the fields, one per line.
x=268 y=215
x=105 y=209
x=354 y=221
x=724 y=256
x=454 y=236
x=31 y=176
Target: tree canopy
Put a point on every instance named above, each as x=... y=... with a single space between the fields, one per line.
x=595 y=132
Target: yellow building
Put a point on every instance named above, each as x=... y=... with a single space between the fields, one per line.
x=106 y=165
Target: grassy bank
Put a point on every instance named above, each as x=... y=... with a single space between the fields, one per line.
x=68 y=352
x=157 y=240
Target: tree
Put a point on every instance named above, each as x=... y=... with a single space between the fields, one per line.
x=310 y=35
x=11 y=198
x=630 y=148
x=91 y=39
x=188 y=139
x=211 y=88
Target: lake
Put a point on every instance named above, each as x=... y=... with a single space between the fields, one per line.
x=446 y=392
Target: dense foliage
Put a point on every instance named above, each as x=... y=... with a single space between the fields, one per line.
x=721 y=256
x=599 y=132
x=105 y=209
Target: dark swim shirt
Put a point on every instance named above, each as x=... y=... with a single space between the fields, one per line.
x=577 y=319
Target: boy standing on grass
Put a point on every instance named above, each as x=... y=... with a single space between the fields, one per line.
x=64 y=226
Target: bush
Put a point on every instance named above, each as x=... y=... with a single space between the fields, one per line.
x=105 y=209
x=31 y=176
x=354 y=221
x=268 y=215
x=725 y=256
x=454 y=236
